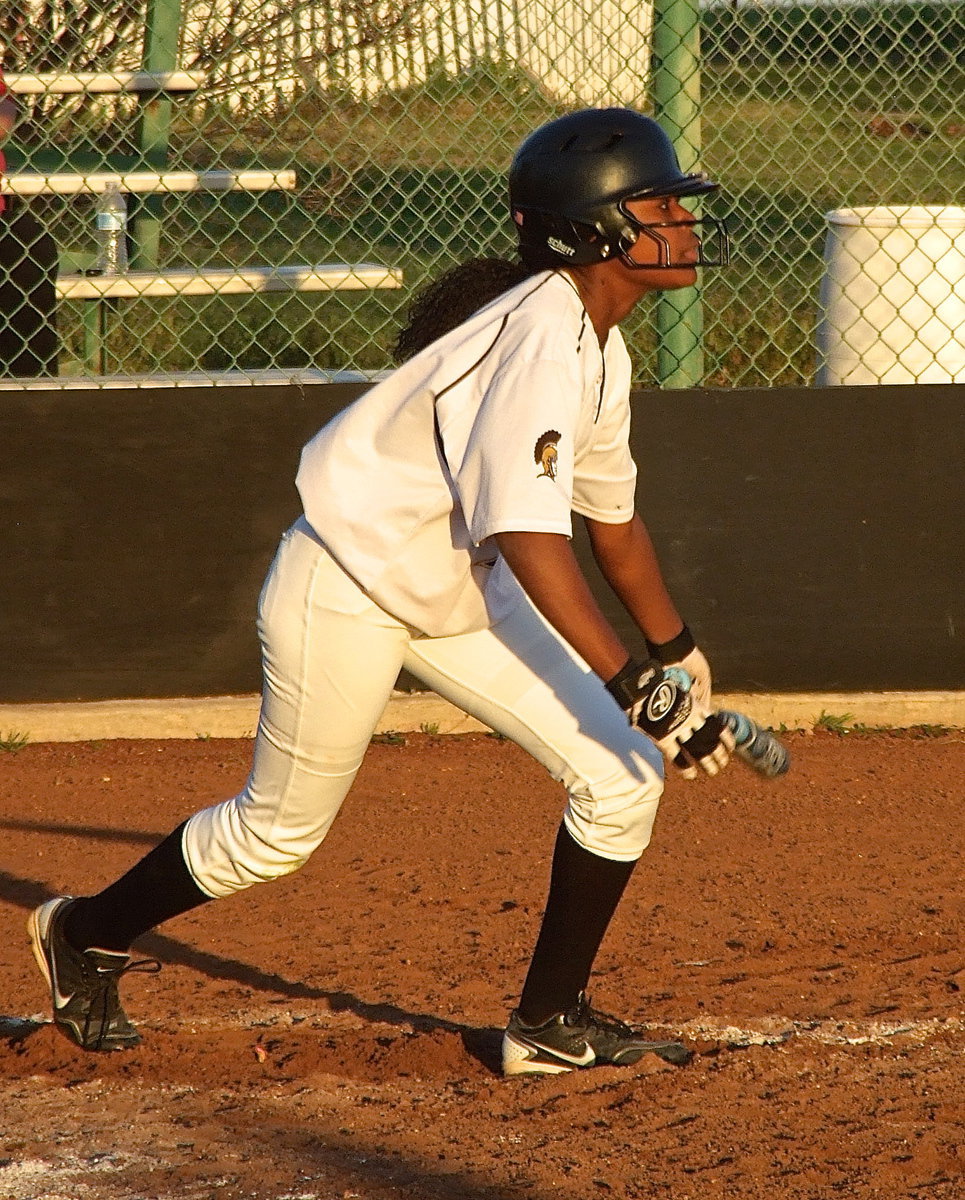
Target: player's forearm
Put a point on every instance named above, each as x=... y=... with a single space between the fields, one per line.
x=547 y=570
x=628 y=562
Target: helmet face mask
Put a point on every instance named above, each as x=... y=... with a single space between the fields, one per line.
x=570 y=182
x=718 y=256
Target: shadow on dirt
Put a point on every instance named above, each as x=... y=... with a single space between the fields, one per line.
x=481 y=1044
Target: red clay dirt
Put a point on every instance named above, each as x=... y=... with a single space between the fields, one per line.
x=336 y=1034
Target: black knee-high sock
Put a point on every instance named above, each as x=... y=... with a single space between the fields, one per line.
x=585 y=890
x=157 y=888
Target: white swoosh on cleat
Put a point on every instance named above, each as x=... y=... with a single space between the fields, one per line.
x=578 y=1060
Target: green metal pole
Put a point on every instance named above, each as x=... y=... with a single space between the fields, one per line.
x=161 y=38
x=676 y=95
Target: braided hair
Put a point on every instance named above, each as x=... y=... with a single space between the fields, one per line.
x=451 y=299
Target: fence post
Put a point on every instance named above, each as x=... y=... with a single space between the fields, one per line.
x=161 y=36
x=676 y=94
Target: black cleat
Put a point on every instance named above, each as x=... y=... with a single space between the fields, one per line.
x=83 y=986
x=581 y=1037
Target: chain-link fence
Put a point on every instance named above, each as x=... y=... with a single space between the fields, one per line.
x=293 y=172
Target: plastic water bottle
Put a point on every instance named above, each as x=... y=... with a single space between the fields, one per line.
x=758 y=747
x=111 y=231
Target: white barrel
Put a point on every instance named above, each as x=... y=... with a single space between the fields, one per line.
x=892 y=304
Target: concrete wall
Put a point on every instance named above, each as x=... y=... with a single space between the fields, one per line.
x=813 y=538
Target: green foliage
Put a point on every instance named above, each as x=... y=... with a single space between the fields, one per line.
x=13 y=741
x=830 y=723
x=471 y=119
x=861 y=35
x=414 y=177
x=389 y=738
x=485 y=82
x=859 y=729
x=931 y=731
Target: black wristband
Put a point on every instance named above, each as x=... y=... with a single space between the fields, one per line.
x=674 y=650
x=625 y=686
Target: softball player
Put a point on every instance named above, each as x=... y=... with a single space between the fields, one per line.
x=436 y=538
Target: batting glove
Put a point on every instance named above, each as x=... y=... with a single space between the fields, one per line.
x=682 y=651
x=660 y=702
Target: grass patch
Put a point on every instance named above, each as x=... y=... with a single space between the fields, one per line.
x=836 y=724
x=920 y=732
x=844 y=724
x=13 y=741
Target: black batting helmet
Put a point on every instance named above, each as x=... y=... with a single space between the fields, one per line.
x=570 y=179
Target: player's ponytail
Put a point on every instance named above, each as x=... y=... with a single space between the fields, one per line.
x=453 y=298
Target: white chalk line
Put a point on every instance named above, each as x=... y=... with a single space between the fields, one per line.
x=760 y=1031
x=43 y=1179
x=773 y=1031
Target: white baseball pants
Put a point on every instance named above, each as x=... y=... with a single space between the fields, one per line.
x=331 y=658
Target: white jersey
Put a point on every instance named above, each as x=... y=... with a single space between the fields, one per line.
x=512 y=421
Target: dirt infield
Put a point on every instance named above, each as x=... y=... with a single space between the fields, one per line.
x=335 y=1035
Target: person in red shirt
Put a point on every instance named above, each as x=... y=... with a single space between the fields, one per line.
x=8 y=118
x=28 y=269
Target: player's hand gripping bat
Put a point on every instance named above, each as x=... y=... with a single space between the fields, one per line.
x=660 y=702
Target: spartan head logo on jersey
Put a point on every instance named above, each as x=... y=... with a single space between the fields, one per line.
x=546 y=453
